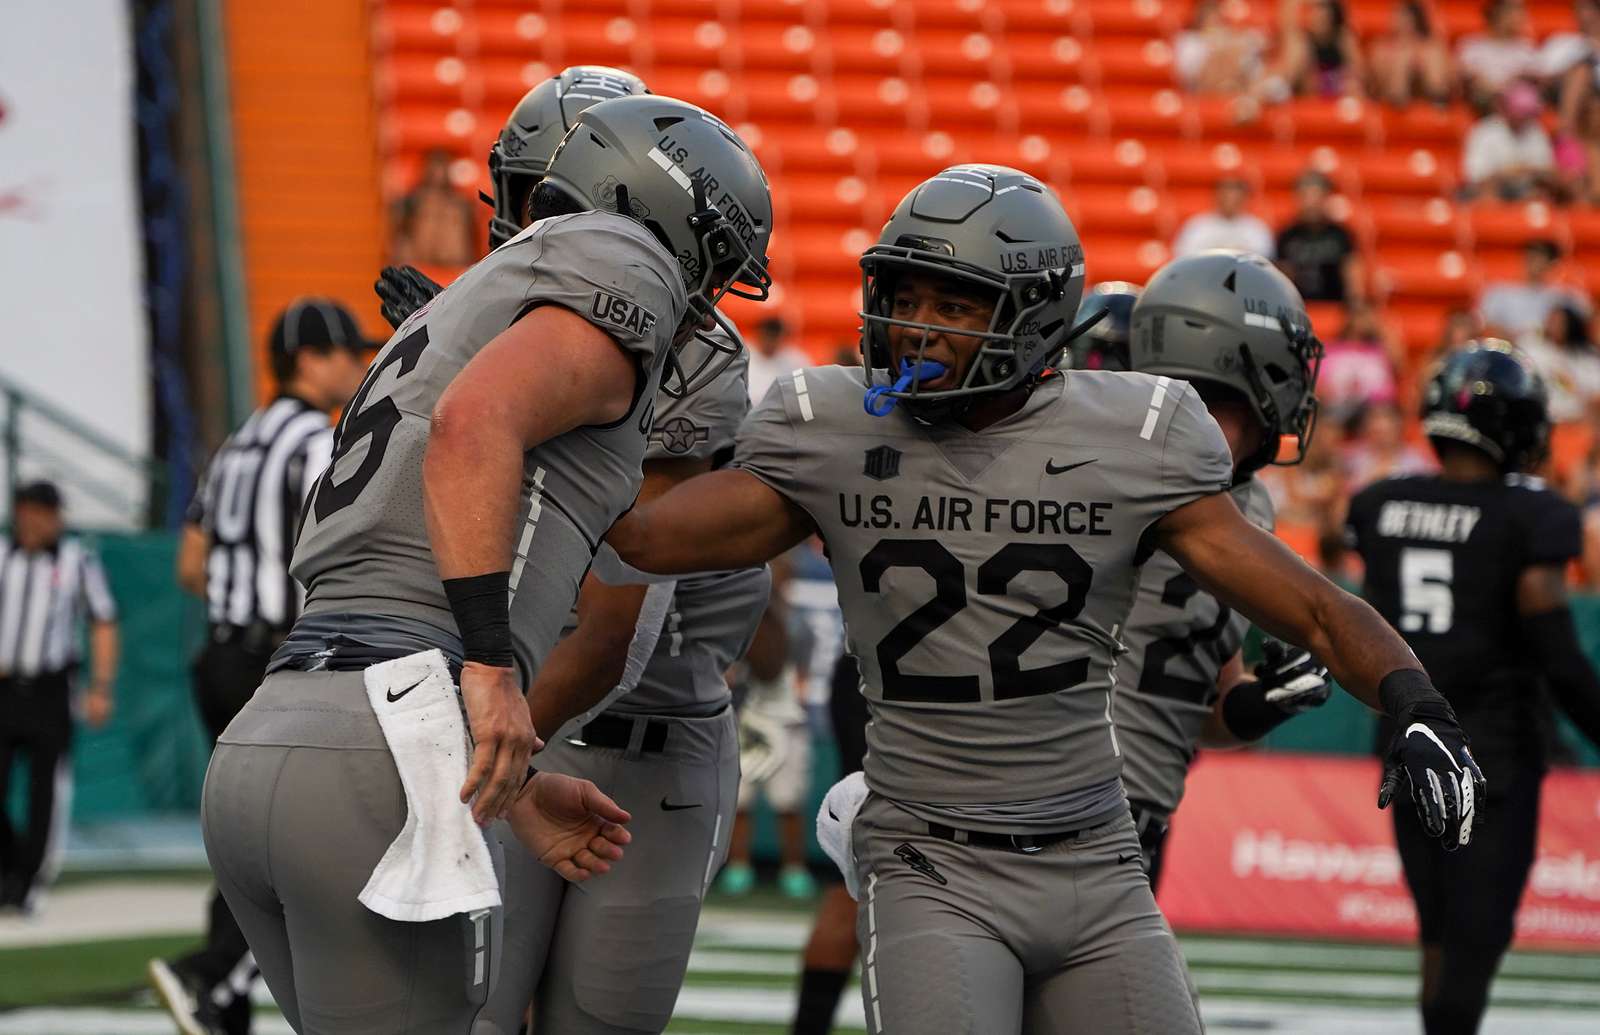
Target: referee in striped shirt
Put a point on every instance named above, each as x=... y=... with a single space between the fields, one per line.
x=49 y=582
x=237 y=540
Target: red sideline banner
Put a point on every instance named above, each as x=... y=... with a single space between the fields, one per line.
x=1294 y=845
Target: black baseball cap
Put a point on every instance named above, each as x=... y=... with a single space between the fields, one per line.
x=314 y=321
x=43 y=493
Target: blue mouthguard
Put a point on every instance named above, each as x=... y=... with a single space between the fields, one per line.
x=879 y=402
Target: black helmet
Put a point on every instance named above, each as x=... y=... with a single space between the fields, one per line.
x=1000 y=231
x=520 y=155
x=1104 y=346
x=1489 y=397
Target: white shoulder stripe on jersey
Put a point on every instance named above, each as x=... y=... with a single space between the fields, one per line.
x=1157 y=398
x=525 y=544
x=802 y=395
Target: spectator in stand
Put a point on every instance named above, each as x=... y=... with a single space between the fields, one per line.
x=1227 y=226
x=1508 y=154
x=1411 y=63
x=1460 y=327
x=1323 y=58
x=1318 y=254
x=1358 y=368
x=1565 y=357
x=1514 y=309
x=1215 y=56
x=1577 y=146
x=771 y=356
x=1563 y=51
x=433 y=225
x=1310 y=499
x=1504 y=53
x=1377 y=448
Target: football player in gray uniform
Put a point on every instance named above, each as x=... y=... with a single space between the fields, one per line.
x=496 y=437
x=613 y=958
x=1182 y=683
x=986 y=520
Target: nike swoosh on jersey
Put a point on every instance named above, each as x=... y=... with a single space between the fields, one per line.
x=393 y=697
x=1051 y=468
x=665 y=807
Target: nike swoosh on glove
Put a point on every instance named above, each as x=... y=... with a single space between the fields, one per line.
x=1292 y=679
x=403 y=290
x=1431 y=752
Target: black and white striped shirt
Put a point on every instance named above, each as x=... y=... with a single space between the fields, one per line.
x=44 y=597
x=249 y=504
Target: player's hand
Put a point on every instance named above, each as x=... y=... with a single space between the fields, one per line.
x=403 y=290
x=1292 y=680
x=1430 y=753
x=502 y=738
x=570 y=826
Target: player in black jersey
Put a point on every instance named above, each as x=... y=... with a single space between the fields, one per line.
x=1469 y=565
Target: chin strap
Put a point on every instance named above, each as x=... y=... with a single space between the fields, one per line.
x=879 y=402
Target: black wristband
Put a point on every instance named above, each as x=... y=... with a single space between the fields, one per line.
x=482 y=608
x=1402 y=691
x=1248 y=714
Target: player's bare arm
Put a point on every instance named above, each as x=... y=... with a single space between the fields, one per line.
x=589 y=662
x=550 y=372
x=1552 y=637
x=1256 y=573
x=719 y=521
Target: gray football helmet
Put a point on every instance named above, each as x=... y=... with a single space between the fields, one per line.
x=1232 y=318
x=519 y=156
x=694 y=184
x=988 y=226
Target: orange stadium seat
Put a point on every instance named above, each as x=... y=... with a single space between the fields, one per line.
x=1124 y=165
x=1443 y=279
x=888 y=14
x=1139 y=113
x=869 y=50
x=1224 y=119
x=711 y=88
x=1123 y=258
x=1584 y=226
x=1511 y=227
x=1126 y=62
x=780 y=46
x=953 y=54
x=505 y=80
x=955 y=15
x=1041 y=62
x=1127 y=18
x=914 y=153
x=968 y=105
x=1042 y=16
x=694 y=43
x=527 y=35
x=822 y=201
x=772 y=97
x=1425 y=125
x=599 y=38
x=1119 y=212
x=1031 y=153
x=1417 y=230
x=423 y=79
x=1192 y=166
x=1417 y=173
x=813 y=149
x=876 y=100
x=419 y=28
x=1343 y=122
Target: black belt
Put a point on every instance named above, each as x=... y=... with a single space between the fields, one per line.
x=1007 y=842
x=257 y=637
x=614 y=731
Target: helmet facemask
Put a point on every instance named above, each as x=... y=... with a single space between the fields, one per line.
x=726 y=265
x=1300 y=422
x=1010 y=350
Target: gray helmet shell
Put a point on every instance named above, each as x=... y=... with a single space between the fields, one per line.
x=1000 y=229
x=519 y=156
x=693 y=183
x=1232 y=318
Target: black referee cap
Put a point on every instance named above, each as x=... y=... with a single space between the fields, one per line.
x=313 y=321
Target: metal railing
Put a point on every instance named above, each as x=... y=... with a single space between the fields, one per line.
x=69 y=468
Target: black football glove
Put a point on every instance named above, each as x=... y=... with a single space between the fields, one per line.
x=1430 y=751
x=1292 y=680
x=403 y=290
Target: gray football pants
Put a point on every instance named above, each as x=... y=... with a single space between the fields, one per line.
x=609 y=955
x=984 y=941
x=301 y=800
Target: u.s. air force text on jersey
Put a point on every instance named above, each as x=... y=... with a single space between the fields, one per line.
x=967 y=514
